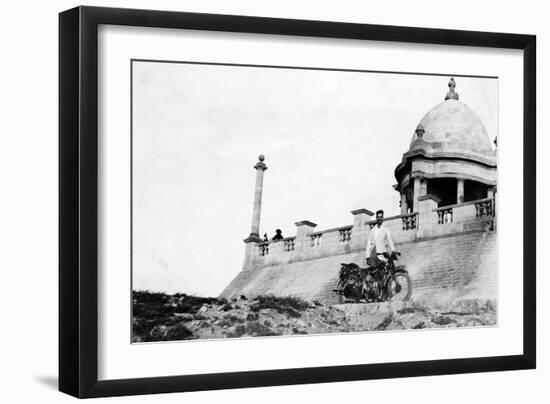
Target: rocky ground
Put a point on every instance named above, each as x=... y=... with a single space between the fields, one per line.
x=161 y=317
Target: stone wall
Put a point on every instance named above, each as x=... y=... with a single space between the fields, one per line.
x=449 y=251
x=462 y=266
x=443 y=268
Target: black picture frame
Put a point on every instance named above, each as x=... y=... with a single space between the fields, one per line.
x=78 y=201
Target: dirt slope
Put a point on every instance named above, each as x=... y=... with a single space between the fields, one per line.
x=161 y=317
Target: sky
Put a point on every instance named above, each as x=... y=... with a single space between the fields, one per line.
x=331 y=141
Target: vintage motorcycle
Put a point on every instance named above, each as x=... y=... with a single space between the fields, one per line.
x=383 y=282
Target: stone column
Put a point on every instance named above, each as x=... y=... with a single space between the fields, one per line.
x=423 y=186
x=255 y=228
x=252 y=251
x=404 y=206
x=459 y=191
x=360 y=228
x=416 y=192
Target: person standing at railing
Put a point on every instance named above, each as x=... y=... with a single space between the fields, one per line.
x=278 y=235
x=379 y=242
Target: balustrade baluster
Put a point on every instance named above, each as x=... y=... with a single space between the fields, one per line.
x=316 y=240
x=409 y=222
x=264 y=249
x=289 y=244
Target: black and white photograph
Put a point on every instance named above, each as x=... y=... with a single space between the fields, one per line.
x=275 y=201
x=271 y=201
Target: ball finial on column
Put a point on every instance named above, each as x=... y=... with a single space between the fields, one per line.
x=260 y=165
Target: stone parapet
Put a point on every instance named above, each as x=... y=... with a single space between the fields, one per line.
x=428 y=221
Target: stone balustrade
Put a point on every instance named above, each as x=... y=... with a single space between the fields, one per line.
x=345 y=234
x=334 y=236
x=402 y=227
x=466 y=211
x=263 y=248
x=444 y=215
x=316 y=240
x=485 y=207
x=289 y=243
x=429 y=222
x=409 y=221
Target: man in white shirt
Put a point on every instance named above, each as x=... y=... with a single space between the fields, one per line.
x=379 y=238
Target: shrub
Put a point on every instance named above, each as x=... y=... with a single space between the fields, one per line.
x=443 y=320
x=288 y=305
x=257 y=329
x=153 y=312
x=179 y=332
x=252 y=316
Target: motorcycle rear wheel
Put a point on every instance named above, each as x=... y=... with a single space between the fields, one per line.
x=400 y=287
x=342 y=298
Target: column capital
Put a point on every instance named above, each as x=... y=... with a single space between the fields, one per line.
x=253 y=238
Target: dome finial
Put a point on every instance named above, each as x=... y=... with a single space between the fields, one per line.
x=419 y=131
x=451 y=95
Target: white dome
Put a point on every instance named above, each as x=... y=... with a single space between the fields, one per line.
x=451 y=126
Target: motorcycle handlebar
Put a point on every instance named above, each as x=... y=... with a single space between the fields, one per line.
x=393 y=255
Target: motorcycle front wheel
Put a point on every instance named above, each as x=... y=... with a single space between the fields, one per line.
x=400 y=287
x=340 y=288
